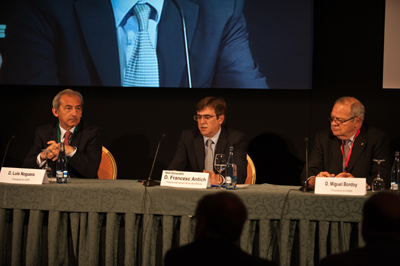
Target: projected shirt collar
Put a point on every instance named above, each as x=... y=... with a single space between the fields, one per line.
x=121 y=8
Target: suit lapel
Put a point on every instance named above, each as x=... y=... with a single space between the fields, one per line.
x=336 y=152
x=76 y=138
x=358 y=148
x=222 y=142
x=199 y=150
x=99 y=32
x=53 y=134
x=170 y=42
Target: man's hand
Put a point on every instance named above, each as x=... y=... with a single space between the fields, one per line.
x=347 y=175
x=325 y=174
x=68 y=149
x=311 y=182
x=53 y=149
x=214 y=178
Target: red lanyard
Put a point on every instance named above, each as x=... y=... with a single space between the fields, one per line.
x=351 y=148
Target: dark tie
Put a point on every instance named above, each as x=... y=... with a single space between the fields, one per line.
x=346 y=150
x=209 y=156
x=142 y=70
x=66 y=138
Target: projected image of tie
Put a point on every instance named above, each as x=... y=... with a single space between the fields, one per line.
x=142 y=68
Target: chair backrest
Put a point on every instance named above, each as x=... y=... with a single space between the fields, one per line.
x=251 y=171
x=108 y=166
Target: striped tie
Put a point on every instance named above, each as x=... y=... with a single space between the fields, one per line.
x=142 y=70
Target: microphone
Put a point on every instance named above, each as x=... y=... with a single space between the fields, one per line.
x=185 y=44
x=305 y=188
x=5 y=154
x=149 y=182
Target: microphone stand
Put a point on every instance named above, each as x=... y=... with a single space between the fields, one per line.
x=150 y=182
x=185 y=44
x=5 y=153
x=305 y=187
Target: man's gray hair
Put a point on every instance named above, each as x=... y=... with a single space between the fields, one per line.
x=356 y=107
x=69 y=92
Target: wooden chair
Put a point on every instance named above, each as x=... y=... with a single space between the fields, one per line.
x=108 y=166
x=251 y=171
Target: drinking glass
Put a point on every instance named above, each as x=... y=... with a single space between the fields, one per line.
x=46 y=165
x=378 y=183
x=220 y=164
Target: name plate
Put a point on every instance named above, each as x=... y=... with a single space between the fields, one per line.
x=340 y=186
x=185 y=179
x=23 y=176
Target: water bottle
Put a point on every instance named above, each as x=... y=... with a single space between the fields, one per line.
x=231 y=171
x=395 y=172
x=61 y=166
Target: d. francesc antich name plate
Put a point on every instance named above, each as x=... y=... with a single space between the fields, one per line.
x=340 y=186
x=23 y=176
x=185 y=179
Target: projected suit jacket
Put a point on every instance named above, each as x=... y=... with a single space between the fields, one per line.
x=74 y=42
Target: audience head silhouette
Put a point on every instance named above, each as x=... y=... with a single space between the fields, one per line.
x=220 y=215
x=381 y=216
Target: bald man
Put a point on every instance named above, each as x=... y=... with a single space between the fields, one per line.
x=348 y=148
x=381 y=232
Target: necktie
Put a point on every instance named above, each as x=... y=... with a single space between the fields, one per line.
x=346 y=149
x=66 y=138
x=209 y=156
x=142 y=70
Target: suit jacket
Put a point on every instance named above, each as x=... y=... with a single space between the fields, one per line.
x=210 y=251
x=377 y=251
x=74 y=42
x=371 y=143
x=85 y=162
x=190 y=153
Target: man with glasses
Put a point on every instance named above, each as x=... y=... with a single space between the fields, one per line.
x=348 y=148
x=197 y=147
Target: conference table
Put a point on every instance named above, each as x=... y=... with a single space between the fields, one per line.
x=121 y=222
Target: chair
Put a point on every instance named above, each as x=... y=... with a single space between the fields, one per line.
x=251 y=171
x=108 y=166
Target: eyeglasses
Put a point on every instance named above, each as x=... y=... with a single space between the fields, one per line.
x=339 y=122
x=199 y=117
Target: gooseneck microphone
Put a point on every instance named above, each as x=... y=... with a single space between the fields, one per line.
x=185 y=44
x=5 y=153
x=306 y=140
x=305 y=188
x=149 y=182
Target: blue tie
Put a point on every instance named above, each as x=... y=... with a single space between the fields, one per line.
x=142 y=70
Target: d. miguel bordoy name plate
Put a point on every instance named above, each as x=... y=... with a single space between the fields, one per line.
x=340 y=186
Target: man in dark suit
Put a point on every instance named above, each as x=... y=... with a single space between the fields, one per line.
x=349 y=147
x=381 y=232
x=191 y=151
x=75 y=43
x=82 y=140
x=219 y=223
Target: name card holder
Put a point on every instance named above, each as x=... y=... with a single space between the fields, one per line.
x=185 y=179
x=340 y=186
x=23 y=176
